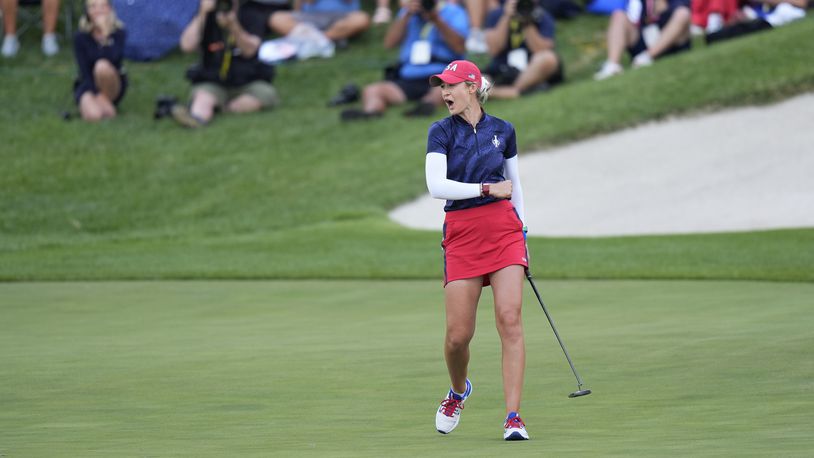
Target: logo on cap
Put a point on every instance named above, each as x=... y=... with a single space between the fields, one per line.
x=452 y=67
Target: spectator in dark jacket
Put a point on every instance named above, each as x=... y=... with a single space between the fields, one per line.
x=230 y=77
x=99 y=51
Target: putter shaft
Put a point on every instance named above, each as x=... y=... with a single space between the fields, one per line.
x=554 y=328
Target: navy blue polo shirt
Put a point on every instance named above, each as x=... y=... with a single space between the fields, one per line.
x=474 y=155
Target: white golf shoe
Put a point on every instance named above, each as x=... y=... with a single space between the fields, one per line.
x=449 y=413
x=515 y=430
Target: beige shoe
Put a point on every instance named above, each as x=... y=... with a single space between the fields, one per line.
x=182 y=116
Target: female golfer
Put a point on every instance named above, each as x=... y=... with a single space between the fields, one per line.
x=99 y=51
x=472 y=163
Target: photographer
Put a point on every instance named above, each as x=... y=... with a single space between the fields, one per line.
x=521 y=42
x=431 y=35
x=229 y=77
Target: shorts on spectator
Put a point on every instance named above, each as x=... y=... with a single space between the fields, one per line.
x=321 y=20
x=261 y=90
x=414 y=89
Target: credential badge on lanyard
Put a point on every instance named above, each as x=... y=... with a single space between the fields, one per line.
x=518 y=57
x=421 y=51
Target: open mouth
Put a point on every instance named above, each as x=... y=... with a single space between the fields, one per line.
x=449 y=103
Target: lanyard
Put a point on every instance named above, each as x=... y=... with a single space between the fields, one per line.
x=227 y=57
x=427 y=27
x=650 y=11
x=515 y=33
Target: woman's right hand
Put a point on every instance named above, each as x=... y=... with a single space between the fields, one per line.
x=501 y=190
x=207 y=6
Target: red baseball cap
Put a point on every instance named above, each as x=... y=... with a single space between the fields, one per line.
x=457 y=71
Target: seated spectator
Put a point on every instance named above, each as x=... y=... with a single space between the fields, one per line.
x=649 y=30
x=430 y=35
x=712 y=15
x=521 y=40
x=339 y=20
x=476 y=9
x=50 y=13
x=99 y=51
x=759 y=15
x=229 y=77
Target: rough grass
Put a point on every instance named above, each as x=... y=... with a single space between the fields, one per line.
x=111 y=200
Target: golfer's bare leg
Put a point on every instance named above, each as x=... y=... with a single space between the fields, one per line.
x=507 y=287
x=461 y=297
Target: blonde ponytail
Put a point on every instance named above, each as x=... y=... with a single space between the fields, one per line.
x=483 y=90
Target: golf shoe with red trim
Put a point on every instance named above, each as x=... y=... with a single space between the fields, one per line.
x=449 y=413
x=515 y=430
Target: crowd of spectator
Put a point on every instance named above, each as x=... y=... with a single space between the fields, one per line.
x=239 y=42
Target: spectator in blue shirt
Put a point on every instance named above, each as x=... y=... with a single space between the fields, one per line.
x=431 y=35
x=520 y=37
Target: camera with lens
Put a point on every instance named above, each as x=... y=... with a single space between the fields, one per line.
x=428 y=5
x=529 y=11
x=163 y=106
x=224 y=6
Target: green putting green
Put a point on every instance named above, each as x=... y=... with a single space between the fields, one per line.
x=354 y=368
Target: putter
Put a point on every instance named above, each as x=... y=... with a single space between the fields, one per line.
x=580 y=391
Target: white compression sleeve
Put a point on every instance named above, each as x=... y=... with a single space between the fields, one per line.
x=512 y=172
x=440 y=186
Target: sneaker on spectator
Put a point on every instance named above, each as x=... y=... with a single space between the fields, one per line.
x=311 y=42
x=355 y=114
x=50 y=47
x=348 y=94
x=182 y=116
x=476 y=41
x=514 y=429
x=421 y=109
x=10 y=46
x=382 y=15
x=608 y=70
x=642 y=59
x=715 y=22
x=449 y=412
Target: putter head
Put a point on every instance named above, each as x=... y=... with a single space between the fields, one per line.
x=579 y=393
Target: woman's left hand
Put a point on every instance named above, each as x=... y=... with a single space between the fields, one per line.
x=501 y=190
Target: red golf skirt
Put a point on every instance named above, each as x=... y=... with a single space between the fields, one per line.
x=481 y=240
